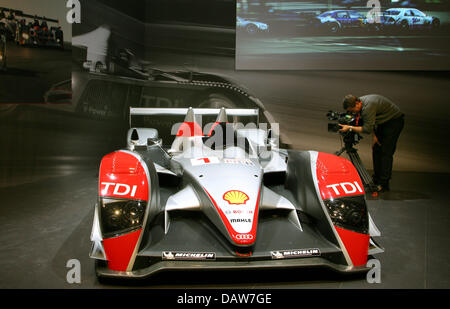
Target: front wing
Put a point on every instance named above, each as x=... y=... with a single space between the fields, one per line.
x=193 y=244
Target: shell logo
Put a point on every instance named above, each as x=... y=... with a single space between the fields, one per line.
x=235 y=197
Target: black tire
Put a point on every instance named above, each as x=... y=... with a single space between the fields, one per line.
x=334 y=28
x=435 y=24
x=251 y=29
x=404 y=26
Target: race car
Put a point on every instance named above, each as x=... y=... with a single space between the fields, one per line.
x=251 y=27
x=225 y=196
x=38 y=34
x=408 y=18
x=338 y=20
x=109 y=97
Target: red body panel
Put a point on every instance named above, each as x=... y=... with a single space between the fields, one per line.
x=337 y=177
x=122 y=176
x=357 y=245
x=119 y=250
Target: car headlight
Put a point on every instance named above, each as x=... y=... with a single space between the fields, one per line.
x=120 y=216
x=349 y=213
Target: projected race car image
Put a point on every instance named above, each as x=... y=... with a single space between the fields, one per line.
x=344 y=35
x=35 y=49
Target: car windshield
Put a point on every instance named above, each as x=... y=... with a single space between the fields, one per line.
x=325 y=14
x=392 y=12
x=354 y=14
x=342 y=15
x=418 y=13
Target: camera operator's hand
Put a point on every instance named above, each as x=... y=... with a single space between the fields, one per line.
x=375 y=141
x=344 y=127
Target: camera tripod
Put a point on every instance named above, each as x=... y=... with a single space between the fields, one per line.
x=369 y=185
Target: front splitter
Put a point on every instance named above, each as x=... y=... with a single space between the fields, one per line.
x=104 y=271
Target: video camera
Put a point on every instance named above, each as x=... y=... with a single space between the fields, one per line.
x=342 y=118
x=350 y=138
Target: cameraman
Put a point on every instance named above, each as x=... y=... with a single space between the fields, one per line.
x=385 y=121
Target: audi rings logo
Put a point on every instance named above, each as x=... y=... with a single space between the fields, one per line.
x=244 y=236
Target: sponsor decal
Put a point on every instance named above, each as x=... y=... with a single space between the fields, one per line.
x=244 y=236
x=188 y=256
x=203 y=161
x=296 y=253
x=240 y=220
x=247 y=162
x=235 y=197
x=120 y=189
x=346 y=188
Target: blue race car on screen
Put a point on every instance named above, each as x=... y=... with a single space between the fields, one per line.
x=251 y=27
x=338 y=20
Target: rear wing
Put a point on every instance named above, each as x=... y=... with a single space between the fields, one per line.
x=143 y=111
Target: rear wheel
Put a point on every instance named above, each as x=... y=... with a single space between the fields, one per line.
x=435 y=24
x=251 y=29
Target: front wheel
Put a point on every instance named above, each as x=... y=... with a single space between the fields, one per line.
x=404 y=26
x=334 y=28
